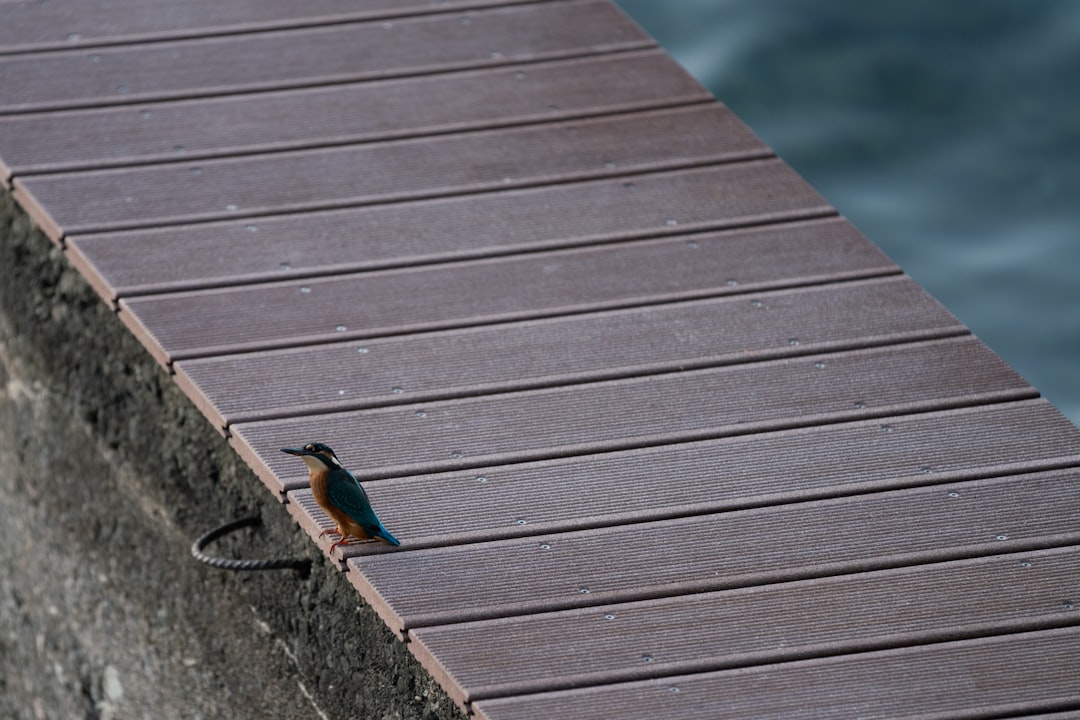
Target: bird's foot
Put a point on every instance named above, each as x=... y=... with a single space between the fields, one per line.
x=344 y=540
x=330 y=531
x=342 y=537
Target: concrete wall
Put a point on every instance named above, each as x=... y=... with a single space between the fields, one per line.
x=107 y=474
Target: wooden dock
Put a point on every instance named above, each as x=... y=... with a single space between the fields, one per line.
x=662 y=435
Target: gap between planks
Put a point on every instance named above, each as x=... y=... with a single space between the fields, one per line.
x=726 y=629
x=675 y=481
x=570 y=28
x=701 y=135
x=577 y=420
x=1027 y=674
x=27 y=136
x=299 y=22
x=510 y=578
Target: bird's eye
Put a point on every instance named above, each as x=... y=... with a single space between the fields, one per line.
x=309 y=448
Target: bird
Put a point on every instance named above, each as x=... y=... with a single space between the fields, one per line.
x=338 y=493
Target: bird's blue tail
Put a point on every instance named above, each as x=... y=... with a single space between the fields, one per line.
x=384 y=534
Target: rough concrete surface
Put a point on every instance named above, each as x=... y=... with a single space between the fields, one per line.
x=107 y=473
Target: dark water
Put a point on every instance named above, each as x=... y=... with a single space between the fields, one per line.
x=948 y=132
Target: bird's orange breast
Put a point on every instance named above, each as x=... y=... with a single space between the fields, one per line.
x=320 y=481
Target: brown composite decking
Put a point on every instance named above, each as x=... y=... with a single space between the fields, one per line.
x=661 y=434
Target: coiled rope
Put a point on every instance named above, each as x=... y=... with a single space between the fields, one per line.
x=302 y=566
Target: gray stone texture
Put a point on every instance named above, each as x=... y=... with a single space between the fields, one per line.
x=107 y=474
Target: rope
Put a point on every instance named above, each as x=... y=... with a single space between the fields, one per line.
x=301 y=566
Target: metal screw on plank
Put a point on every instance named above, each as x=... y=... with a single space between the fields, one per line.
x=302 y=566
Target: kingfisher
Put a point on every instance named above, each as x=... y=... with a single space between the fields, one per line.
x=339 y=494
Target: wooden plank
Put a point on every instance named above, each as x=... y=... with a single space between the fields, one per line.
x=341 y=114
x=1006 y=676
x=606 y=345
x=53 y=25
x=802 y=468
x=495 y=290
x=412 y=169
x=38 y=215
x=454 y=228
x=745 y=548
x=709 y=476
x=753 y=626
x=640 y=411
x=209 y=66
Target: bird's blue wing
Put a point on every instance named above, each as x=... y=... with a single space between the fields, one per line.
x=345 y=492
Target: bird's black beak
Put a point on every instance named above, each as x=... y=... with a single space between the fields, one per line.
x=297 y=451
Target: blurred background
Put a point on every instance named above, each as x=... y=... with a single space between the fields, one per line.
x=947 y=132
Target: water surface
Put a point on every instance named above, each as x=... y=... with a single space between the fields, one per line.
x=948 y=132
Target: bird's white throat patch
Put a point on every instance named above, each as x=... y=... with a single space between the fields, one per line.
x=313 y=462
